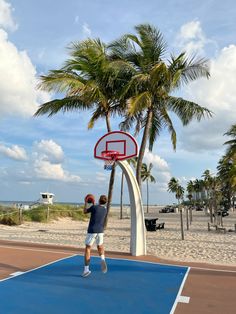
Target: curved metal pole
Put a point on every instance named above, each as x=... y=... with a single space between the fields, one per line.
x=138 y=231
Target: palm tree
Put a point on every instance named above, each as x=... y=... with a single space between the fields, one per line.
x=190 y=190
x=224 y=185
x=231 y=151
x=88 y=84
x=198 y=189
x=207 y=182
x=175 y=187
x=172 y=185
x=227 y=177
x=214 y=183
x=147 y=176
x=149 y=91
x=230 y=157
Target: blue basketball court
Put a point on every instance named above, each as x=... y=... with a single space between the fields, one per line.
x=127 y=287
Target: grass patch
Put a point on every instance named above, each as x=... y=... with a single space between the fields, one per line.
x=42 y=214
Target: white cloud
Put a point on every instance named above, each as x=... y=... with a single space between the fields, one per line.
x=47 y=162
x=191 y=38
x=50 y=150
x=156 y=160
x=86 y=30
x=217 y=94
x=6 y=19
x=46 y=170
x=160 y=170
x=14 y=152
x=19 y=95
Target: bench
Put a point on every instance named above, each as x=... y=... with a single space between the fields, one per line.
x=233 y=230
x=152 y=225
x=160 y=225
x=217 y=227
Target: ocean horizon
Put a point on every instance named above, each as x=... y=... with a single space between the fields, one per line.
x=10 y=203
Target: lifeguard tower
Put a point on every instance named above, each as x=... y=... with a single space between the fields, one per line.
x=46 y=198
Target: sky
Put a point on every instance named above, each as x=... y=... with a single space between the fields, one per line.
x=56 y=154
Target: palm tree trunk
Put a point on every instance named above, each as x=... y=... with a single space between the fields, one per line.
x=142 y=147
x=112 y=176
x=110 y=192
x=211 y=210
x=181 y=221
x=147 y=197
x=108 y=123
x=187 y=218
x=121 y=195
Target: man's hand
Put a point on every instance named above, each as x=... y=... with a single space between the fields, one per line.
x=85 y=209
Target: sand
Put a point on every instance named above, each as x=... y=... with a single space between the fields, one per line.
x=199 y=245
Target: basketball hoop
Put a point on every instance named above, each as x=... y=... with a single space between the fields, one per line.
x=112 y=155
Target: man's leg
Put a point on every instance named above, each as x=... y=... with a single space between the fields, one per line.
x=87 y=255
x=86 y=272
x=90 y=238
x=101 y=252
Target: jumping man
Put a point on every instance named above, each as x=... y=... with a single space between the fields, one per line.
x=95 y=232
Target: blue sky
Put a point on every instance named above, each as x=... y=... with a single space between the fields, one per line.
x=56 y=154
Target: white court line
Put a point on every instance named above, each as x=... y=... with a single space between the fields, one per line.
x=28 y=271
x=179 y=293
x=183 y=299
x=17 y=273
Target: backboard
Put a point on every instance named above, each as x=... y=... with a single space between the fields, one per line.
x=121 y=143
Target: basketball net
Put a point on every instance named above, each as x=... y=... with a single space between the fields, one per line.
x=108 y=165
x=112 y=159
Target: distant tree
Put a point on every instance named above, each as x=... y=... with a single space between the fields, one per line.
x=231 y=150
x=207 y=183
x=175 y=187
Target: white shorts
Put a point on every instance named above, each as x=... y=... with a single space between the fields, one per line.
x=91 y=237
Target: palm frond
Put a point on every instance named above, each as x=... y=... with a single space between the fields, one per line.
x=185 y=70
x=66 y=104
x=154 y=130
x=187 y=110
x=61 y=81
x=152 y=43
x=166 y=121
x=139 y=103
x=97 y=114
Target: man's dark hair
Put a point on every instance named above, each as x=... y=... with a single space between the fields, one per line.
x=102 y=200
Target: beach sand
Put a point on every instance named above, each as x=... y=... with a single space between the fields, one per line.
x=199 y=245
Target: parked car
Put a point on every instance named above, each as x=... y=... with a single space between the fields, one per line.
x=199 y=208
x=167 y=209
x=222 y=213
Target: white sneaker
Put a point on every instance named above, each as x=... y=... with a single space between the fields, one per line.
x=103 y=266
x=86 y=273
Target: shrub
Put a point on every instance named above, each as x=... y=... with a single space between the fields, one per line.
x=7 y=218
x=39 y=214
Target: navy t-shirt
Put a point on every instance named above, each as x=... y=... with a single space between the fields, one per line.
x=97 y=218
